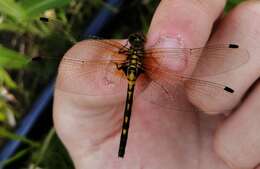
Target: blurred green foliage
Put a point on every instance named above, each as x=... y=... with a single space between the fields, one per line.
x=231 y=4
x=24 y=37
x=19 y=27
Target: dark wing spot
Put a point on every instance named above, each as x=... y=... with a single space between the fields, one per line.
x=233 y=46
x=228 y=89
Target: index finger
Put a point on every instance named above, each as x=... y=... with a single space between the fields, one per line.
x=188 y=21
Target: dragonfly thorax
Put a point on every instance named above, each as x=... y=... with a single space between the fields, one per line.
x=135 y=55
x=134 y=63
x=137 y=40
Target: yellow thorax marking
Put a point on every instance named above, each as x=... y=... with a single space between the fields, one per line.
x=133 y=61
x=134 y=57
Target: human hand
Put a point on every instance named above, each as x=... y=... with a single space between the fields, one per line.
x=90 y=127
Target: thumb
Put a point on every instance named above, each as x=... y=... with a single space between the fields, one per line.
x=87 y=100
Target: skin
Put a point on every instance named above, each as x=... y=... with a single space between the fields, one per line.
x=90 y=127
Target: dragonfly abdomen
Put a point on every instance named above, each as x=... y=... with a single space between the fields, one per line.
x=132 y=69
x=127 y=113
x=132 y=72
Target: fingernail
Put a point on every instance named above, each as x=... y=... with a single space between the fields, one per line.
x=175 y=60
x=169 y=42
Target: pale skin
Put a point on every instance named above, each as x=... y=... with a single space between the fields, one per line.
x=90 y=127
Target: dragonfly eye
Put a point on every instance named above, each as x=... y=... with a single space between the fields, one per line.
x=136 y=39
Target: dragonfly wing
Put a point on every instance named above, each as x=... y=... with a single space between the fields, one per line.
x=93 y=70
x=167 y=96
x=217 y=59
x=209 y=95
x=94 y=79
x=172 y=90
x=207 y=61
x=111 y=44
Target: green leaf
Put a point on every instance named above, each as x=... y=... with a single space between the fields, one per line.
x=20 y=28
x=11 y=59
x=231 y=4
x=9 y=135
x=13 y=10
x=2 y=117
x=35 y=7
x=18 y=155
x=45 y=146
x=6 y=79
x=11 y=27
x=56 y=156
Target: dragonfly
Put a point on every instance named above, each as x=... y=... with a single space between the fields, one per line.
x=110 y=67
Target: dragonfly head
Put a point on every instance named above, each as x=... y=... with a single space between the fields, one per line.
x=137 y=39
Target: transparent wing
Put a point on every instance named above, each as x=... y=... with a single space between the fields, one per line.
x=93 y=70
x=167 y=96
x=209 y=60
x=95 y=79
x=168 y=89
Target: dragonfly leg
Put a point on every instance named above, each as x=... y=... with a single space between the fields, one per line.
x=122 y=66
x=119 y=66
x=124 y=50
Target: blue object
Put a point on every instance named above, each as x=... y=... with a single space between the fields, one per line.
x=101 y=19
x=27 y=123
x=29 y=120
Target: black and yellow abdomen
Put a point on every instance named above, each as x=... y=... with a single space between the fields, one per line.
x=132 y=72
x=132 y=69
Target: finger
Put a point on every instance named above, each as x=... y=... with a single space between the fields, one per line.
x=188 y=21
x=86 y=71
x=81 y=108
x=237 y=140
x=239 y=28
x=183 y=24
